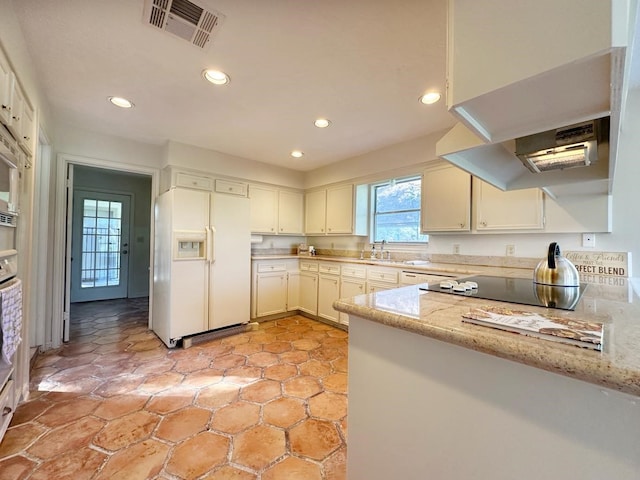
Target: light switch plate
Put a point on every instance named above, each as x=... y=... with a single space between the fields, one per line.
x=589 y=240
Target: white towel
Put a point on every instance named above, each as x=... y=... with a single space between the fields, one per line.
x=11 y=318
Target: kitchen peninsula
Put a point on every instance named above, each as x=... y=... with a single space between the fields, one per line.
x=450 y=400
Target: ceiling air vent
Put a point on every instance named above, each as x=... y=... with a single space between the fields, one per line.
x=184 y=19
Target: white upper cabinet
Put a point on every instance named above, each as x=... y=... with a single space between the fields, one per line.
x=28 y=129
x=7 y=80
x=516 y=68
x=446 y=199
x=315 y=212
x=275 y=211
x=329 y=211
x=340 y=209
x=15 y=105
x=264 y=209
x=513 y=210
x=290 y=212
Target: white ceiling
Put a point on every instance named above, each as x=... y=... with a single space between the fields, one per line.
x=361 y=63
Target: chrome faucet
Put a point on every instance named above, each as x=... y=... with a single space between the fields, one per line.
x=382 y=249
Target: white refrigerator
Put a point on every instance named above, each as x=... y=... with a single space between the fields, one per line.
x=202 y=263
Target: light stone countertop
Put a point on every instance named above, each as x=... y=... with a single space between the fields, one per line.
x=430 y=267
x=439 y=316
x=609 y=300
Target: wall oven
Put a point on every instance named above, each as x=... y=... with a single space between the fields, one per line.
x=9 y=174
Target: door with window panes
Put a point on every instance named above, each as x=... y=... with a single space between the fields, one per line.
x=99 y=246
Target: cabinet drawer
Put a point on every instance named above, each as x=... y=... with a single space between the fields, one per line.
x=232 y=188
x=7 y=404
x=332 y=269
x=194 y=181
x=383 y=276
x=309 y=266
x=272 y=267
x=354 y=272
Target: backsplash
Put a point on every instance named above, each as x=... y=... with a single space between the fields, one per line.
x=490 y=261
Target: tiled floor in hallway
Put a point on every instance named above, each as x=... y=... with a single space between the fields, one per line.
x=114 y=403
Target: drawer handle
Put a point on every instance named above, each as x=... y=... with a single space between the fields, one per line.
x=6 y=411
x=411 y=276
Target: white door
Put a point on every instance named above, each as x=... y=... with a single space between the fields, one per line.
x=99 y=246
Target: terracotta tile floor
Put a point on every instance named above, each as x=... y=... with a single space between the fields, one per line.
x=114 y=403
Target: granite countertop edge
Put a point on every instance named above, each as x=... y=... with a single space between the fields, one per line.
x=574 y=362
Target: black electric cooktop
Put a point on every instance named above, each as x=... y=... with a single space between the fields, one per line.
x=516 y=290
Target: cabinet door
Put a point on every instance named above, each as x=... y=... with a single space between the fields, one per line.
x=446 y=200
x=315 y=209
x=350 y=287
x=309 y=292
x=27 y=136
x=511 y=210
x=264 y=209
x=293 y=291
x=340 y=209
x=290 y=212
x=17 y=104
x=271 y=293
x=6 y=90
x=328 y=292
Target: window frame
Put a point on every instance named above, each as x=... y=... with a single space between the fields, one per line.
x=373 y=214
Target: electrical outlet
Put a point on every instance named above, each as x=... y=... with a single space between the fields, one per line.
x=511 y=250
x=456 y=248
x=589 y=240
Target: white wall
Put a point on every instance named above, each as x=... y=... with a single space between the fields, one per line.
x=400 y=156
x=180 y=154
x=413 y=155
x=77 y=141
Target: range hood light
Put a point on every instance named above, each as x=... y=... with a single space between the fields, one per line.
x=569 y=156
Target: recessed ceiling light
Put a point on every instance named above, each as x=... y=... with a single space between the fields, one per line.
x=429 y=98
x=216 y=77
x=121 y=102
x=322 y=123
x=297 y=153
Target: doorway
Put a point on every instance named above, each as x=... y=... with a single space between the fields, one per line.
x=100 y=246
x=108 y=236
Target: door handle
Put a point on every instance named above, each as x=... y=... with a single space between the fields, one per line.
x=124 y=252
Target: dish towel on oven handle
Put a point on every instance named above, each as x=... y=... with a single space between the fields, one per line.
x=11 y=318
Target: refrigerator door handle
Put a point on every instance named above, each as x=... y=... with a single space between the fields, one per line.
x=207 y=253
x=212 y=244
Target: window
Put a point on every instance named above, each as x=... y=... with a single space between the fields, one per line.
x=396 y=211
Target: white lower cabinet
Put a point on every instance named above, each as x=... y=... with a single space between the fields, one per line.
x=328 y=290
x=380 y=278
x=273 y=286
x=309 y=292
x=293 y=291
x=350 y=287
x=309 y=286
x=271 y=293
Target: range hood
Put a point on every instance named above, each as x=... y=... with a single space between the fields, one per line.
x=568 y=160
x=573 y=146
